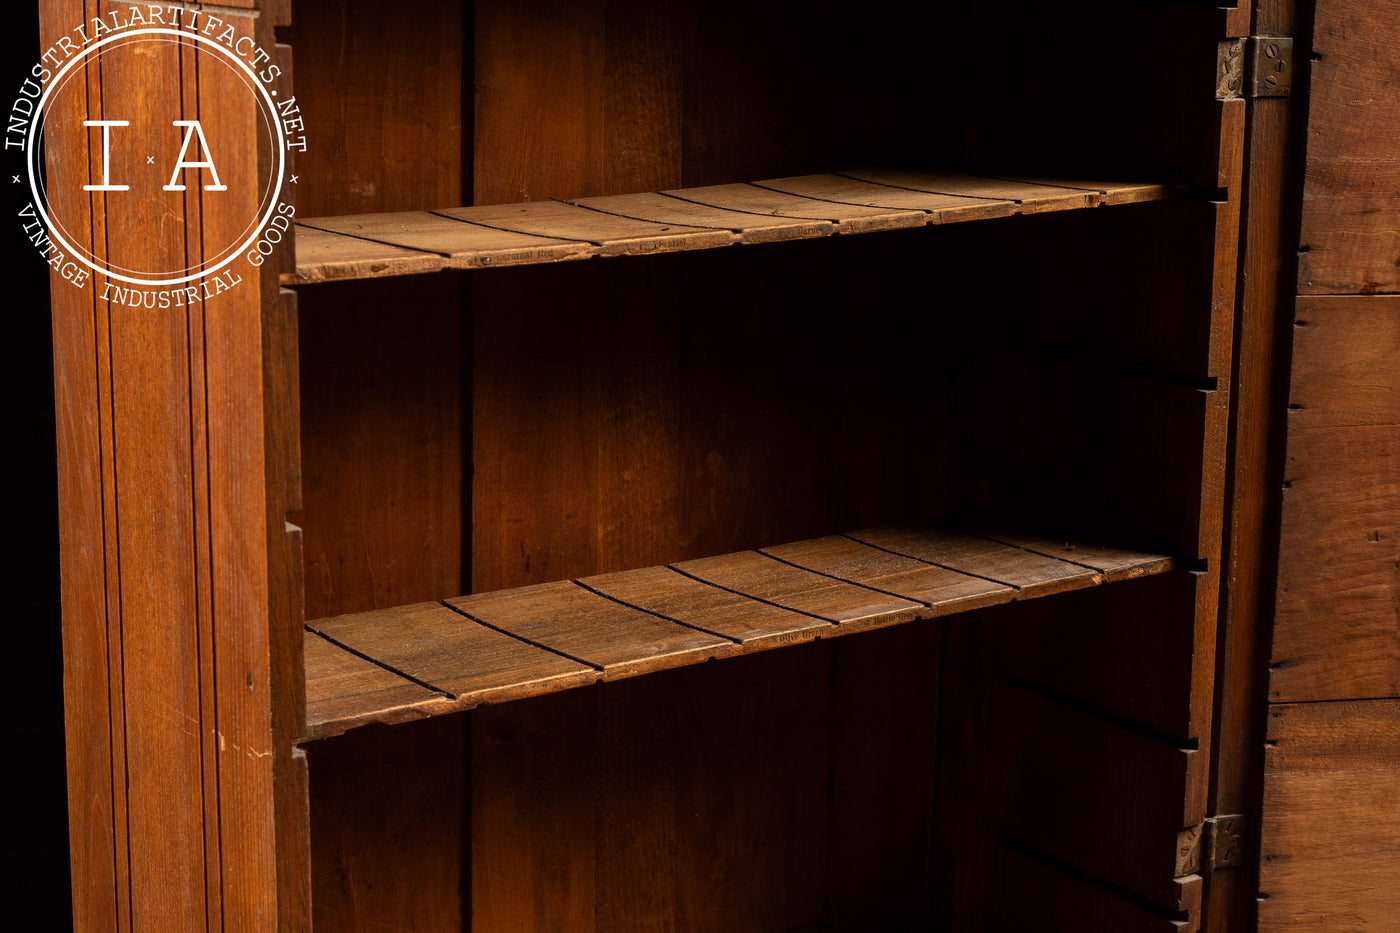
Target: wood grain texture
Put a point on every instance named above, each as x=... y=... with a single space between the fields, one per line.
x=92 y=720
x=509 y=644
x=1268 y=271
x=672 y=209
x=345 y=54
x=353 y=683
x=417 y=817
x=1339 y=574
x=682 y=800
x=1331 y=839
x=1349 y=205
x=531 y=232
x=382 y=444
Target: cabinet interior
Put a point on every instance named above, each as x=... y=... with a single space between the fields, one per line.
x=466 y=432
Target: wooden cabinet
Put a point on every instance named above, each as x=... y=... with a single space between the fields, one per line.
x=488 y=562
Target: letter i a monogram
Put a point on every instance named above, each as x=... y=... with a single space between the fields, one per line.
x=192 y=129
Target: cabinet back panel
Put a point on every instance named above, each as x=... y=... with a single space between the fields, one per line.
x=638 y=413
x=380 y=86
x=382 y=419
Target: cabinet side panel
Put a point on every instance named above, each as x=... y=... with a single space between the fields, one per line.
x=1335 y=631
x=1330 y=826
x=1351 y=208
x=1328 y=848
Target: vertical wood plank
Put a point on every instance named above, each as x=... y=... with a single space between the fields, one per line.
x=364 y=153
x=883 y=754
x=416 y=819
x=533 y=814
x=382 y=456
x=1349 y=219
x=1338 y=554
x=1330 y=830
x=154 y=461
x=97 y=850
x=642 y=94
x=540 y=100
x=753 y=847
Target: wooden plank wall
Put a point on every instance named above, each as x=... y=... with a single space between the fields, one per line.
x=1330 y=856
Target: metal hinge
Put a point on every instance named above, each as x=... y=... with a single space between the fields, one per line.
x=1217 y=843
x=1258 y=66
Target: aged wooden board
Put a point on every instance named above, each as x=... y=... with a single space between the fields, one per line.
x=1330 y=829
x=672 y=209
x=1339 y=577
x=1351 y=210
x=1028 y=197
x=549 y=637
x=798 y=207
x=352 y=683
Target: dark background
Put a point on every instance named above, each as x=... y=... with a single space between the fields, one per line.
x=34 y=828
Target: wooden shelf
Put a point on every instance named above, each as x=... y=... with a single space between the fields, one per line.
x=372 y=245
x=428 y=659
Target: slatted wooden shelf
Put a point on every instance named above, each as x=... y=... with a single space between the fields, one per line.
x=372 y=245
x=432 y=658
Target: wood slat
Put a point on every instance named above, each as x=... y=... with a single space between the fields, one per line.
x=1112 y=563
x=785 y=208
x=342 y=685
x=615 y=639
x=670 y=593
x=850 y=190
x=463 y=245
x=510 y=644
x=1109 y=192
x=324 y=256
x=672 y=209
x=771 y=580
x=905 y=577
x=431 y=643
x=613 y=235
x=1021 y=569
x=1030 y=197
x=848 y=218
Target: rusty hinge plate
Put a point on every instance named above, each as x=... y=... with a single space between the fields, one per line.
x=1269 y=61
x=1215 y=844
x=1259 y=66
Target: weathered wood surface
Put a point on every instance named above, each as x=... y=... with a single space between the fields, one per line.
x=549 y=637
x=532 y=232
x=1338 y=604
x=1330 y=827
x=1351 y=204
